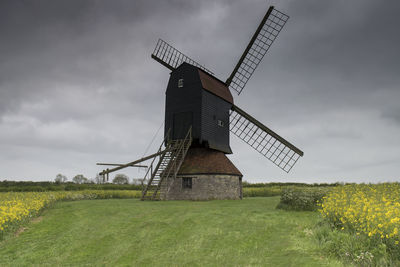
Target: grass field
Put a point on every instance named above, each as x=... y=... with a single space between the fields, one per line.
x=128 y=232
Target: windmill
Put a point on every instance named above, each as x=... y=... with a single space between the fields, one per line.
x=200 y=114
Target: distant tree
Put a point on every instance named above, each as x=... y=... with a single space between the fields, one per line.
x=60 y=178
x=99 y=179
x=80 y=179
x=120 y=179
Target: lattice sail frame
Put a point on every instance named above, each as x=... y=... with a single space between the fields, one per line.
x=264 y=140
x=266 y=33
x=172 y=58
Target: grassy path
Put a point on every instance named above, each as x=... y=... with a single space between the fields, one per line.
x=133 y=233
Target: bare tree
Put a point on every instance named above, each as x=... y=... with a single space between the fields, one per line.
x=99 y=179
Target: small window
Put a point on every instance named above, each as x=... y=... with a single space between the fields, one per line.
x=220 y=123
x=180 y=83
x=187 y=183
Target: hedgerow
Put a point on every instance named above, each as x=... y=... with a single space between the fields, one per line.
x=302 y=198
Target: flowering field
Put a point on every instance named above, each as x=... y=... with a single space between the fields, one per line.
x=372 y=211
x=262 y=191
x=17 y=207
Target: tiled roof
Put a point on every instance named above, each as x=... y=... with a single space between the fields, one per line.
x=201 y=160
x=215 y=86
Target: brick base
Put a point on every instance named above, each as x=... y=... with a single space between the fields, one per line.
x=206 y=187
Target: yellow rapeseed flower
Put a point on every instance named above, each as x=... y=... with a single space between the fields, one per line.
x=16 y=207
x=373 y=210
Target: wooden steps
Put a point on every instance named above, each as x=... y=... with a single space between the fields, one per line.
x=165 y=166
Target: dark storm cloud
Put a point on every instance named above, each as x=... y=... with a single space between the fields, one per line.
x=348 y=50
x=76 y=79
x=353 y=42
x=48 y=43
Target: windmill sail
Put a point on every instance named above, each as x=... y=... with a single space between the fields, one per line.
x=172 y=58
x=264 y=140
x=261 y=41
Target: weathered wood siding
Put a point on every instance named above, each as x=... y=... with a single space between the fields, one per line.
x=191 y=104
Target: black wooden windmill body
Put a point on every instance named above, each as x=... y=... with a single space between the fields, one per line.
x=200 y=114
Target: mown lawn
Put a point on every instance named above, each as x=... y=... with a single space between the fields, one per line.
x=129 y=232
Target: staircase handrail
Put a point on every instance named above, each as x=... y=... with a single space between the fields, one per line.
x=185 y=142
x=177 y=149
x=150 y=168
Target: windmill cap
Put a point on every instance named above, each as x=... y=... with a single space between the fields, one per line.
x=215 y=86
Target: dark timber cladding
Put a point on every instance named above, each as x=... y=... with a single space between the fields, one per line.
x=195 y=98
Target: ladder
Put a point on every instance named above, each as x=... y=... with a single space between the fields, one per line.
x=164 y=167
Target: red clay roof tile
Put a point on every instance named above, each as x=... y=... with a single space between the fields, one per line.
x=215 y=86
x=201 y=160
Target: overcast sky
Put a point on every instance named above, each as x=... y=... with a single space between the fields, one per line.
x=78 y=85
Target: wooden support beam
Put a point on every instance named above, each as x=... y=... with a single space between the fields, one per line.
x=120 y=164
x=133 y=162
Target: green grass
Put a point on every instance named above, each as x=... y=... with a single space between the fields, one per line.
x=129 y=232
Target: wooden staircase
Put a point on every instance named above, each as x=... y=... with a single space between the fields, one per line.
x=164 y=167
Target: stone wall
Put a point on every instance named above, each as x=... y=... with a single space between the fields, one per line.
x=206 y=187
